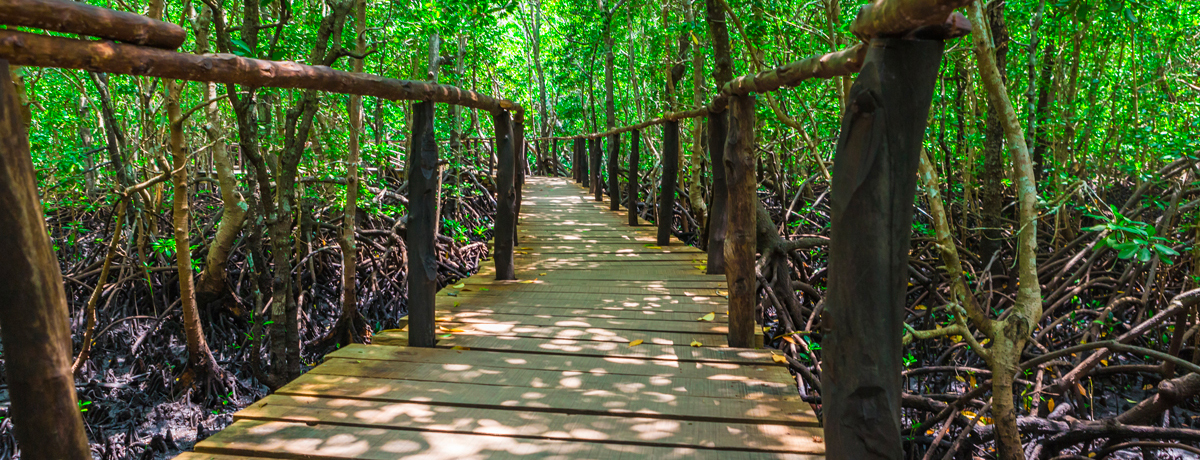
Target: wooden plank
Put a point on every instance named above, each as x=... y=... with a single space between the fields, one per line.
x=565 y=401
x=611 y=365
x=652 y=319
x=581 y=288
x=534 y=425
x=580 y=334
x=595 y=379
x=636 y=324
x=201 y=456
x=647 y=350
x=323 y=441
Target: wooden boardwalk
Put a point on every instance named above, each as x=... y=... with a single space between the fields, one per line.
x=544 y=368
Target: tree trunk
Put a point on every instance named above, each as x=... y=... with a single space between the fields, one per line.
x=992 y=196
x=723 y=73
x=213 y=284
x=34 y=326
x=351 y=327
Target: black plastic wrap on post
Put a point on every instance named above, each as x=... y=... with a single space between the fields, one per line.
x=666 y=197
x=614 y=190
x=422 y=228
x=634 y=162
x=506 y=227
x=874 y=180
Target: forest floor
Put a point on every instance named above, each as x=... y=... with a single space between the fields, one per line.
x=126 y=388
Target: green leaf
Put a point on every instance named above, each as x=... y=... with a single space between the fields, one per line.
x=1126 y=253
x=1165 y=250
x=242 y=49
x=1143 y=254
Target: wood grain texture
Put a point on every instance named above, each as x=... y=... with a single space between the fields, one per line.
x=589 y=355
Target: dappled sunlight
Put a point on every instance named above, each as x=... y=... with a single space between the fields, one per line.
x=586 y=356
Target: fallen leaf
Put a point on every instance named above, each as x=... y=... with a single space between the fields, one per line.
x=920 y=307
x=484 y=289
x=708 y=317
x=635 y=343
x=696 y=343
x=973 y=384
x=527 y=282
x=1104 y=362
x=456 y=330
x=1147 y=387
x=789 y=339
x=818 y=439
x=460 y=285
x=1050 y=405
x=456 y=304
x=541 y=274
x=456 y=347
x=778 y=358
x=526 y=249
x=391 y=330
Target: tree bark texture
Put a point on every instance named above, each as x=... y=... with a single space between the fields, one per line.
x=104 y=56
x=740 y=245
x=614 y=188
x=93 y=21
x=422 y=228
x=34 y=325
x=522 y=165
x=670 y=173
x=579 y=161
x=597 y=186
x=505 y=196
x=634 y=163
x=717 y=225
x=874 y=179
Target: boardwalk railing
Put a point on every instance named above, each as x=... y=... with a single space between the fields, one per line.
x=37 y=337
x=872 y=194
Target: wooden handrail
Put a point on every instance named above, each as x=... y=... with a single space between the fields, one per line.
x=22 y=48
x=93 y=21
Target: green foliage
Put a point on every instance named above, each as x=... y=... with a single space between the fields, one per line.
x=1132 y=239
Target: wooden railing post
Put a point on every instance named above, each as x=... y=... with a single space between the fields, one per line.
x=554 y=163
x=34 y=322
x=614 y=189
x=634 y=163
x=505 y=198
x=585 y=170
x=871 y=203
x=597 y=186
x=578 y=162
x=522 y=166
x=717 y=212
x=666 y=197
x=422 y=227
x=740 y=239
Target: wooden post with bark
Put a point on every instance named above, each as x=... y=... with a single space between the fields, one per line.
x=874 y=179
x=614 y=189
x=34 y=325
x=634 y=163
x=522 y=164
x=505 y=197
x=422 y=227
x=579 y=162
x=740 y=243
x=670 y=170
x=597 y=187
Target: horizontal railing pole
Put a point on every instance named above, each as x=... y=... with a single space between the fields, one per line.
x=93 y=21
x=28 y=49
